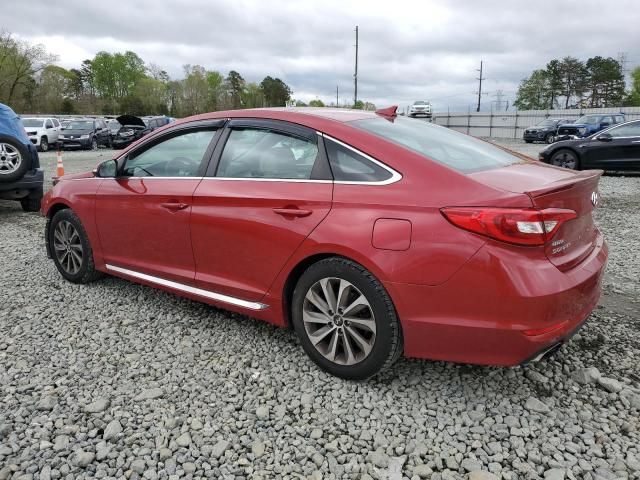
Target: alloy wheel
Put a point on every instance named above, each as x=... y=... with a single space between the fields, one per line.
x=565 y=159
x=44 y=145
x=94 y=144
x=339 y=321
x=10 y=158
x=68 y=247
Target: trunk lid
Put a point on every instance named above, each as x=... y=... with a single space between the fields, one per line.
x=551 y=187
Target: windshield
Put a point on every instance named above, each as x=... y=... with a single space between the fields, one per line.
x=32 y=122
x=82 y=125
x=114 y=125
x=588 y=120
x=448 y=147
x=420 y=102
x=547 y=123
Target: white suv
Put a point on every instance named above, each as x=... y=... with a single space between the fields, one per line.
x=420 y=108
x=43 y=132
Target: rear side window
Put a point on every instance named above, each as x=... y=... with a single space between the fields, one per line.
x=454 y=149
x=261 y=153
x=347 y=165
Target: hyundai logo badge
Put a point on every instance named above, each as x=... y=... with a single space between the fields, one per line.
x=595 y=198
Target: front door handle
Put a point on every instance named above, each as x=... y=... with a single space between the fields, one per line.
x=174 y=206
x=635 y=141
x=292 y=212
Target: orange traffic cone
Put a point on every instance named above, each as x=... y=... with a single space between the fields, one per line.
x=60 y=167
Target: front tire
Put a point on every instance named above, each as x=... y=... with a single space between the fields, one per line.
x=70 y=248
x=566 y=158
x=30 y=204
x=44 y=144
x=549 y=138
x=345 y=319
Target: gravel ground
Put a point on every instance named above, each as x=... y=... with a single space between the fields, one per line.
x=116 y=380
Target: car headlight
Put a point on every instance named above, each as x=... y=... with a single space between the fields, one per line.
x=84 y=137
x=582 y=131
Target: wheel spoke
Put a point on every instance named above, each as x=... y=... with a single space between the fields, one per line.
x=315 y=317
x=364 y=344
x=367 y=323
x=317 y=301
x=329 y=295
x=321 y=334
x=350 y=357
x=357 y=305
x=342 y=295
x=333 y=348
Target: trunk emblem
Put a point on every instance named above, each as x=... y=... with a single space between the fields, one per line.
x=595 y=198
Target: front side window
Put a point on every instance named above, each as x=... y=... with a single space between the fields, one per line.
x=178 y=156
x=448 y=147
x=349 y=166
x=49 y=124
x=260 y=153
x=627 y=130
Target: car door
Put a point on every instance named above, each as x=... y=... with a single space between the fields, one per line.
x=52 y=135
x=268 y=188
x=143 y=214
x=616 y=149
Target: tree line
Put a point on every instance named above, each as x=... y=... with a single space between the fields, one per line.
x=118 y=83
x=572 y=83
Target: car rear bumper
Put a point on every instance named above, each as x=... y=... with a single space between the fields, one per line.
x=31 y=184
x=499 y=308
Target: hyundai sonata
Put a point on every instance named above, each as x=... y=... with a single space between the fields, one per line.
x=370 y=234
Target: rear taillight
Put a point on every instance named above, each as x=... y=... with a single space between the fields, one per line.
x=520 y=226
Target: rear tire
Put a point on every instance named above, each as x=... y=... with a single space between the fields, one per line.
x=70 y=248
x=565 y=158
x=351 y=343
x=528 y=141
x=30 y=204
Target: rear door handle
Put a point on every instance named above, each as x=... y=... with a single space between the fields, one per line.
x=292 y=212
x=174 y=206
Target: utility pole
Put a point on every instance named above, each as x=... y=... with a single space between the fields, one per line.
x=355 y=75
x=480 y=78
x=337 y=102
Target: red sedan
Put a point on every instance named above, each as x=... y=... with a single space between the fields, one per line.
x=371 y=235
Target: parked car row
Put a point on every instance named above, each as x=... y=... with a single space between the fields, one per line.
x=556 y=129
x=89 y=133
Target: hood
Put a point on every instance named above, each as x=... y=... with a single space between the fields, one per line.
x=541 y=127
x=73 y=176
x=574 y=125
x=130 y=120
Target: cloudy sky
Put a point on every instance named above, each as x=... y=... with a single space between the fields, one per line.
x=409 y=50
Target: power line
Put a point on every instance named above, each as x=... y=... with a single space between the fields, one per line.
x=480 y=78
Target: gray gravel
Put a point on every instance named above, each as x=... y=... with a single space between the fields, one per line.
x=116 y=380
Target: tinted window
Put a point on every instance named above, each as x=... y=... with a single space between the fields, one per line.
x=607 y=120
x=628 y=130
x=588 y=120
x=453 y=149
x=80 y=125
x=56 y=122
x=257 y=153
x=49 y=124
x=32 y=122
x=179 y=156
x=349 y=166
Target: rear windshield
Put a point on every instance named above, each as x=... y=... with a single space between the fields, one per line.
x=453 y=149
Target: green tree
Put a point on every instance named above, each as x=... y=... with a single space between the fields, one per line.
x=235 y=86
x=195 y=90
x=316 y=103
x=359 y=105
x=574 y=80
x=116 y=75
x=53 y=86
x=19 y=63
x=605 y=82
x=252 y=96
x=215 y=84
x=633 y=97
x=534 y=92
x=276 y=92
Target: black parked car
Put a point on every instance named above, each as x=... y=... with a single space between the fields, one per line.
x=131 y=129
x=85 y=133
x=616 y=148
x=545 y=131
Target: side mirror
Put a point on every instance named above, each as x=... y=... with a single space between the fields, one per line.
x=604 y=137
x=107 y=169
